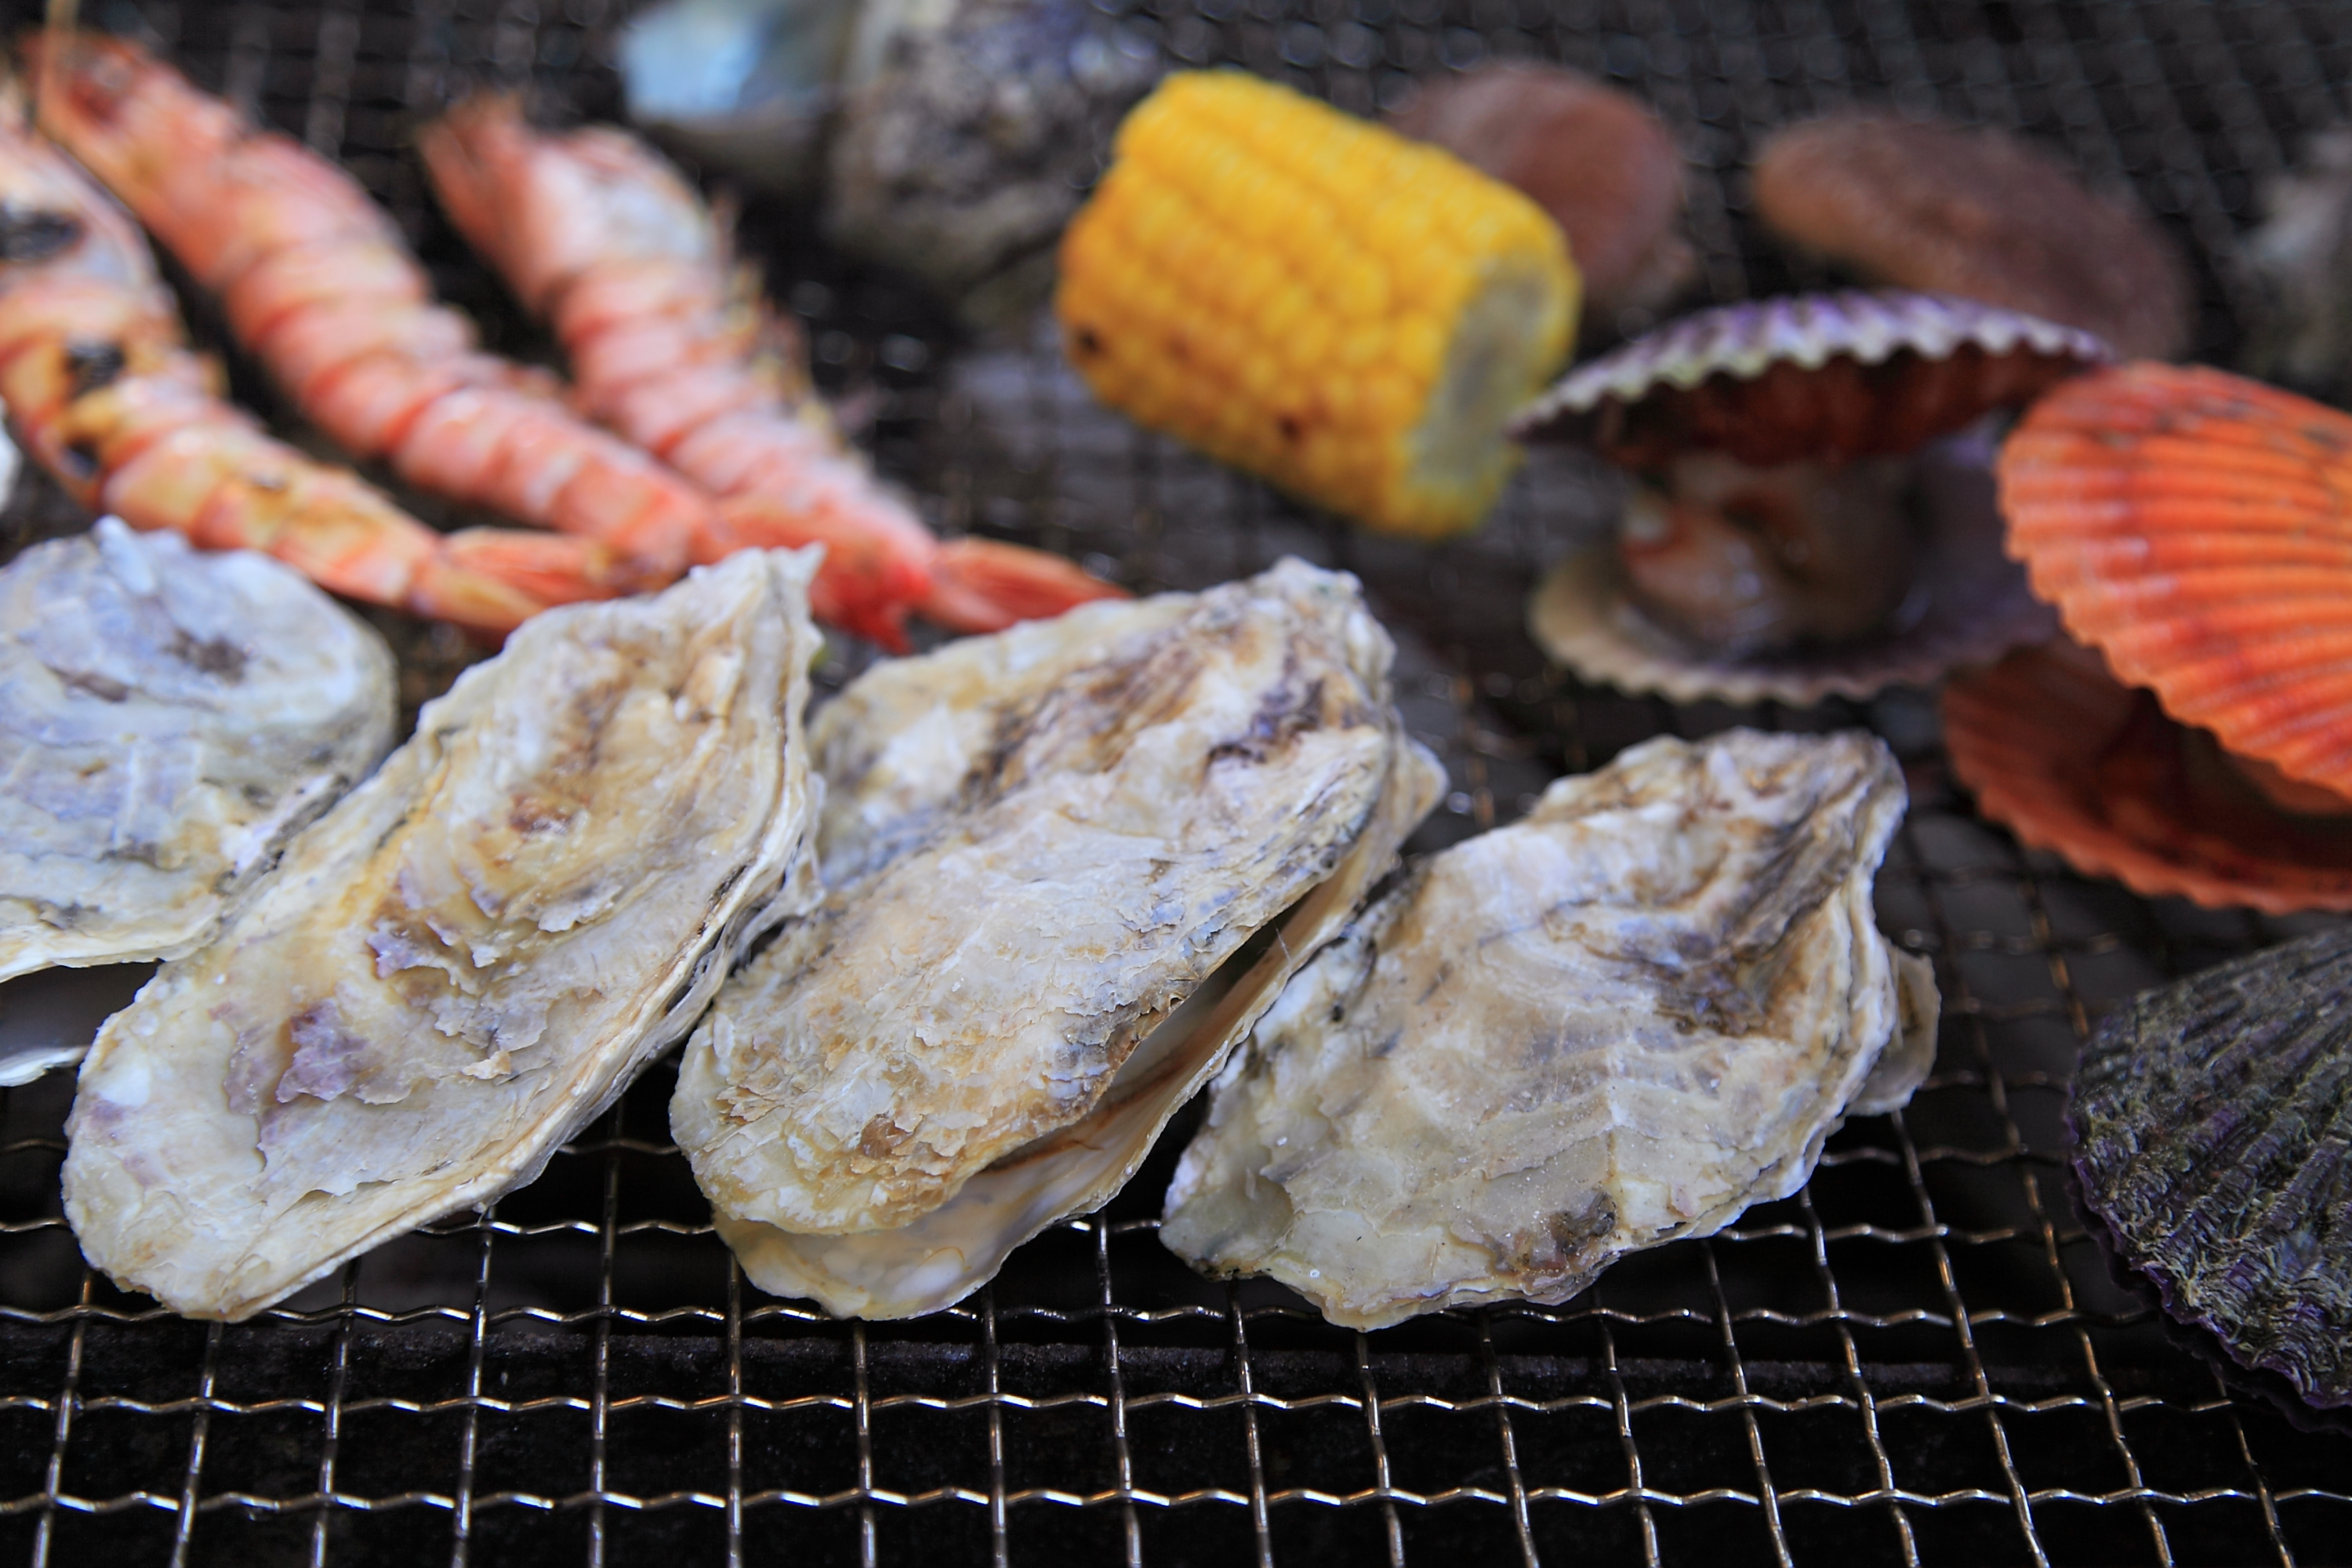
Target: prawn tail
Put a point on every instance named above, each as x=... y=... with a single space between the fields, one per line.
x=552 y=568
x=462 y=150
x=870 y=577
x=985 y=585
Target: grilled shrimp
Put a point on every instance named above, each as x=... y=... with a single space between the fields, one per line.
x=673 y=346
x=102 y=386
x=319 y=286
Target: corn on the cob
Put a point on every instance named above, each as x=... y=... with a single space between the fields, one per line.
x=1348 y=314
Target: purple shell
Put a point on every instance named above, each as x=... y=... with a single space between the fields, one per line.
x=2211 y=1120
x=1742 y=341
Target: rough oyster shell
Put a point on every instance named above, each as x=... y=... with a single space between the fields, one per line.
x=1049 y=852
x=2191 y=525
x=1620 y=1021
x=2302 y=335
x=468 y=958
x=2062 y=755
x=168 y=719
x=2208 y=1119
x=1809 y=376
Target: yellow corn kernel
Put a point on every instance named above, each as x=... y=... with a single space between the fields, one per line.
x=1302 y=294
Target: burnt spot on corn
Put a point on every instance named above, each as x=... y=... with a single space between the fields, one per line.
x=35 y=234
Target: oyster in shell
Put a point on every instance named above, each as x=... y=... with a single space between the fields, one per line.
x=169 y=717
x=468 y=958
x=1068 y=865
x=2208 y=1123
x=1617 y=1022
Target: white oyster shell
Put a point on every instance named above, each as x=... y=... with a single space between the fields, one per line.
x=169 y=717
x=468 y=958
x=1041 y=844
x=1617 y=1022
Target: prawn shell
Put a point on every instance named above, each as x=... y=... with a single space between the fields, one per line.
x=2196 y=528
x=1846 y=374
x=1968 y=607
x=2043 y=740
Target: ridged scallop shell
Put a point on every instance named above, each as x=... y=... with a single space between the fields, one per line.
x=2196 y=528
x=1809 y=376
x=1972 y=607
x=2070 y=761
x=2208 y=1119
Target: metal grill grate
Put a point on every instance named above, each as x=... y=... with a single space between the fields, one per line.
x=1918 y=1359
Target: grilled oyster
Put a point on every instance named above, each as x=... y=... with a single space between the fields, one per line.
x=168 y=719
x=1617 y=1022
x=465 y=959
x=2209 y=1126
x=1069 y=864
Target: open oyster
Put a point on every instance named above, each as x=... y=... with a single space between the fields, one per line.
x=169 y=717
x=2208 y=1119
x=1068 y=865
x=468 y=958
x=1617 y=1022
x=1814 y=514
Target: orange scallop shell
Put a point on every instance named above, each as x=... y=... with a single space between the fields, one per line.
x=2071 y=760
x=2196 y=528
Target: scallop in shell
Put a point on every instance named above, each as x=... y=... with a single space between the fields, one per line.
x=1821 y=521
x=1618 y=1021
x=468 y=958
x=1068 y=865
x=169 y=717
x=2208 y=1119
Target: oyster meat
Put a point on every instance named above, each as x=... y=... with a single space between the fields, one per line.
x=169 y=717
x=1620 y=1021
x=1067 y=866
x=468 y=958
x=2208 y=1120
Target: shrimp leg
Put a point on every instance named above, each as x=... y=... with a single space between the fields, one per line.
x=673 y=346
x=100 y=383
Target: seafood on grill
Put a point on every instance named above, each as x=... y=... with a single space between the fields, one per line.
x=1617 y=1022
x=2191 y=527
x=1596 y=159
x=168 y=719
x=1066 y=867
x=673 y=346
x=100 y=382
x=1978 y=213
x=468 y=957
x=2208 y=1123
x=1812 y=508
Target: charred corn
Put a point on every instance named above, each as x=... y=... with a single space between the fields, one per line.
x=1350 y=314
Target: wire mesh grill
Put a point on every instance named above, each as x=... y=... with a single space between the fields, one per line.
x=1917 y=1358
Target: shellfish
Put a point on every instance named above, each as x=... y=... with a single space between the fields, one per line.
x=1813 y=516
x=1618 y=1021
x=2208 y=1121
x=468 y=957
x=169 y=717
x=1067 y=866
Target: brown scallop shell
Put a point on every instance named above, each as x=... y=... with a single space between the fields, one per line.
x=1972 y=607
x=1978 y=213
x=2196 y=528
x=1596 y=159
x=1839 y=375
x=2060 y=753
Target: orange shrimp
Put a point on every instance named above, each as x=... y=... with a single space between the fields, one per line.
x=100 y=383
x=673 y=346
x=320 y=287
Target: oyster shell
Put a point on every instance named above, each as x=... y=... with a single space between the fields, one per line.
x=2208 y=1119
x=169 y=717
x=468 y=958
x=1617 y=1022
x=1069 y=864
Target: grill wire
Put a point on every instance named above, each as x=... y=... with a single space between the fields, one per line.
x=1918 y=1359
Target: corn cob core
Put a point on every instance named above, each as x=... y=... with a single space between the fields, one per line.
x=1323 y=303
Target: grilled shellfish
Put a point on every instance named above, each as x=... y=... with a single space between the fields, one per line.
x=465 y=959
x=168 y=719
x=1066 y=864
x=1618 y=1021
